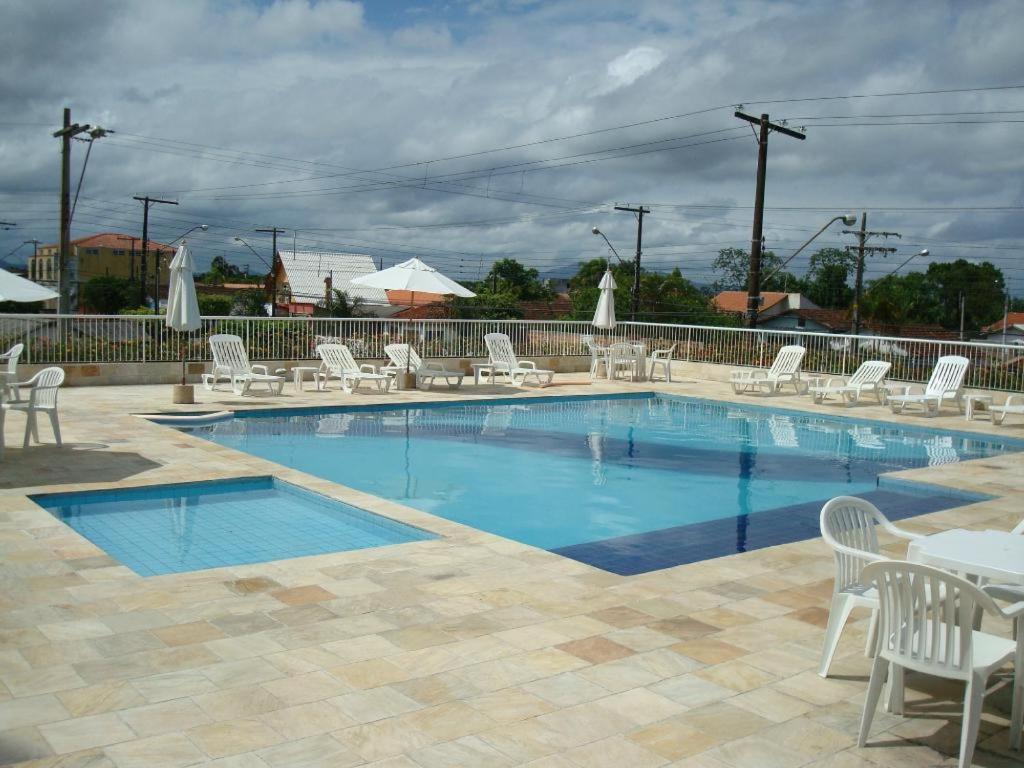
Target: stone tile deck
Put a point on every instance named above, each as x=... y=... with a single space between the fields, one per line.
x=468 y=650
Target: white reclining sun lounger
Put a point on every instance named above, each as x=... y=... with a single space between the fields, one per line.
x=504 y=360
x=870 y=377
x=404 y=358
x=337 y=362
x=785 y=370
x=946 y=383
x=231 y=363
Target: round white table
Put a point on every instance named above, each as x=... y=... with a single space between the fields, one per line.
x=995 y=555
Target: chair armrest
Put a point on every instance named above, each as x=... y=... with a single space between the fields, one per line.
x=888 y=527
x=260 y=369
x=1013 y=400
x=367 y=368
x=434 y=366
x=500 y=365
x=907 y=389
x=527 y=364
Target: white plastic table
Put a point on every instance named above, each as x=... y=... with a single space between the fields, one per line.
x=994 y=555
x=639 y=361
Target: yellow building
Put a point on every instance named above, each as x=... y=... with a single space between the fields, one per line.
x=105 y=254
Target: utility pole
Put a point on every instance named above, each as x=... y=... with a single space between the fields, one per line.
x=64 y=252
x=863 y=250
x=756 y=239
x=147 y=201
x=273 y=268
x=640 y=211
x=131 y=255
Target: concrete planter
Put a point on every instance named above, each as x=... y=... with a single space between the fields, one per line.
x=183 y=393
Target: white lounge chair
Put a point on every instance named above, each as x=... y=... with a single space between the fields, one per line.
x=870 y=377
x=946 y=383
x=504 y=360
x=1014 y=404
x=848 y=528
x=337 y=362
x=231 y=364
x=404 y=358
x=785 y=370
x=9 y=369
x=42 y=398
x=926 y=619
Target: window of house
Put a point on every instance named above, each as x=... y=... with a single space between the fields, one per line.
x=92 y=251
x=119 y=251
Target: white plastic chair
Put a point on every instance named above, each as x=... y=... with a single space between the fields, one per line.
x=1013 y=594
x=662 y=358
x=231 y=363
x=925 y=625
x=404 y=358
x=337 y=362
x=622 y=356
x=946 y=383
x=598 y=356
x=785 y=370
x=9 y=372
x=504 y=360
x=848 y=528
x=869 y=377
x=42 y=397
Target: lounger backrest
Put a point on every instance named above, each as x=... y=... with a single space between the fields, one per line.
x=12 y=356
x=337 y=358
x=948 y=376
x=871 y=372
x=787 y=362
x=499 y=348
x=229 y=353
x=403 y=357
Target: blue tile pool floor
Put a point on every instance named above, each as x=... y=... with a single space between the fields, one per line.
x=627 y=483
x=175 y=528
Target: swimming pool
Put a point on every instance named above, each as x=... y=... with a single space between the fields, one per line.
x=193 y=526
x=629 y=483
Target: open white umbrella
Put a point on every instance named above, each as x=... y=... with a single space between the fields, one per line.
x=413 y=276
x=604 y=315
x=16 y=288
x=182 y=304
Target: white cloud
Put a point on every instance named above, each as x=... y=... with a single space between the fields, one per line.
x=631 y=66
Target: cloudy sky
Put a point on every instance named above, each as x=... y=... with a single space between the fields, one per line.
x=470 y=130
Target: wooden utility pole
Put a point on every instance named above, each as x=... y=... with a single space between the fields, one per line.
x=754 y=276
x=273 y=268
x=147 y=201
x=131 y=255
x=639 y=211
x=863 y=249
x=64 y=251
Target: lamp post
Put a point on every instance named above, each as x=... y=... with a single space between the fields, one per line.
x=597 y=231
x=847 y=218
x=240 y=239
x=202 y=227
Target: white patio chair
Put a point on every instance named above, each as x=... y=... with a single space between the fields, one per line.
x=848 y=528
x=404 y=358
x=504 y=360
x=598 y=356
x=1014 y=404
x=231 y=363
x=42 y=398
x=622 y=356
x=337 y=362
x=662 y=358
x=9 y=369
x=946 y=383
x=785 y=370
x=925 y=625
x=869 y=377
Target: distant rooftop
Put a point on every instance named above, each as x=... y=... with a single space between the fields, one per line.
x=305 y=272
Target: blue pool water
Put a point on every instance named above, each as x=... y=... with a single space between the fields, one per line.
x=174 y=528
x=628 y=483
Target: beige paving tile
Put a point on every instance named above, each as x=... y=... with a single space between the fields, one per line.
x=172 y=750
x=445 y=722
x=641 y=706
x=510 y=705
x=382 y=739
x=615 y=752
x=233 y=737
x=238 y=703
x=172 y=685
x=156 y=719
x=32 y=710
x=187 y=634
x=565 y=690
x=673 y=739
x=323 y=751
x=311 y=593
x=85 y=732
x=22 y=745
x=304 y=720
x=375 y=704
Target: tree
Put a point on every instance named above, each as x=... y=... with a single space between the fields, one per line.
x=222 y=271
x=214 y=304
x=251 y=302
x=899 y=299
x=341 y=305
x=733 y=264
x=981 y=285
x=509 y=276
x=108 y=295
x=828 y=276
x=487 y=305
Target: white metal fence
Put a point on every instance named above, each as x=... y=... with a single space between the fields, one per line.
x=82 y=339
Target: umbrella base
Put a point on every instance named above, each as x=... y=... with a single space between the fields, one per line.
x=183 y=394
x=405 y=380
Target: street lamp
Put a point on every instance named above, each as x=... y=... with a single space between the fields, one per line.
x=202 y=227
x=597 y=231
x=255 y=253
x=848 y=219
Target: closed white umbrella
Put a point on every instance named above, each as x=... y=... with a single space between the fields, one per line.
x=16 y=288
x=604 y=315
x=413 y=276
x=182 y=304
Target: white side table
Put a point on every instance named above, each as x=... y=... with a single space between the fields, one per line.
x=972 y=401
x=994 y=555
x=479 y=368
x=299 y=376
